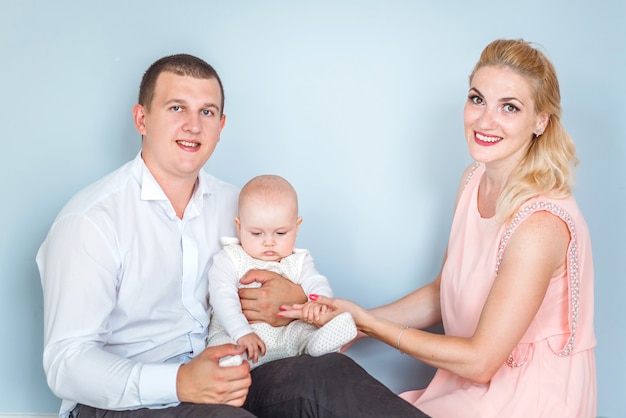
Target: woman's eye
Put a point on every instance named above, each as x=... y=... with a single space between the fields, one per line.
x=509 y=108
x=476 y=99
x=176 y=108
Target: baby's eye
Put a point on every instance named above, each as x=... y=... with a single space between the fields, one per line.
x=509 y=108
x=256 y=234
x=280 y=233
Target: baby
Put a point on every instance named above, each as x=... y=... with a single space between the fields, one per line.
x=267 y=225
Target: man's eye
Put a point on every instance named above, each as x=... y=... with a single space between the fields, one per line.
x=207 y=112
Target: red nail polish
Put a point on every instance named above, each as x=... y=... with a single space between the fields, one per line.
x=313 y=296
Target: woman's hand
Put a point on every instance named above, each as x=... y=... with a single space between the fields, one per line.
x=321 y=317
x=321 y=310
x=313 y=311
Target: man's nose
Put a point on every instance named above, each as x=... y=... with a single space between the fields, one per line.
x=192 y=123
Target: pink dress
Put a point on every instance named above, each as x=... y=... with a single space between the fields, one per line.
x=551 y=372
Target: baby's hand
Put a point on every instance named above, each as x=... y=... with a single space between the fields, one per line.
x=313 y=311
x=254 y=346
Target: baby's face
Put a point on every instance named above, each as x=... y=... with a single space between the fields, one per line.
x=268 y=230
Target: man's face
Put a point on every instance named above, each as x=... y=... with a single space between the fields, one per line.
x=182 y=126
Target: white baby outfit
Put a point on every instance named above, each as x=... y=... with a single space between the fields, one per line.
x=228 y=323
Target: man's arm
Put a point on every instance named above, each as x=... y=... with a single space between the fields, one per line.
x=79 y=278
x=263 y=304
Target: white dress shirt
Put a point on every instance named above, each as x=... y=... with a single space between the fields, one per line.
x=125 y=285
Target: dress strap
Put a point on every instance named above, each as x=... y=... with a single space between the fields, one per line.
x=471 y=173
x=572 y=264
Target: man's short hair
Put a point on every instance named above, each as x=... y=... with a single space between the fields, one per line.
x=180 y=64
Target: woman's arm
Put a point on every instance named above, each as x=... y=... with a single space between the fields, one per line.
x=536 y=252
x=419 y=309
x=422 y=308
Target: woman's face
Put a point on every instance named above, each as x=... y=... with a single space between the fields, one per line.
x=500 y=117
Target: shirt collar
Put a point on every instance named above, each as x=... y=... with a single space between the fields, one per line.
x=150 y=188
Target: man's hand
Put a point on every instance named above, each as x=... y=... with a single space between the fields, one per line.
x=203 y=381
x=262 y=304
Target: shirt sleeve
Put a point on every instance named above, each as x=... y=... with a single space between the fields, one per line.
x=224 y=296
x=311 y=280
x=79 y=272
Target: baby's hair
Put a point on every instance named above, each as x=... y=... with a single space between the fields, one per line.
x=268 y=186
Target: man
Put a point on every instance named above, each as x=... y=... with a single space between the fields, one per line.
x=124 y=275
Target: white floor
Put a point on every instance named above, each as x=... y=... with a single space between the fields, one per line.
x=3 y=415
x=47 y=415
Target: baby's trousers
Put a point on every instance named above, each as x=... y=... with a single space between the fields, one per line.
x=330 y=386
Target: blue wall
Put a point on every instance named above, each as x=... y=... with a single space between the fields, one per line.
x=358 y=103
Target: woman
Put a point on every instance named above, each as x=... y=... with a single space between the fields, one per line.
x=515 y=293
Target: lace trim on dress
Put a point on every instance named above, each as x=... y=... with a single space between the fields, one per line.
x=471 y=173
x=572 y=266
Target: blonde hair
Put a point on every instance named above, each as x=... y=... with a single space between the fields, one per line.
x=548 y=166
